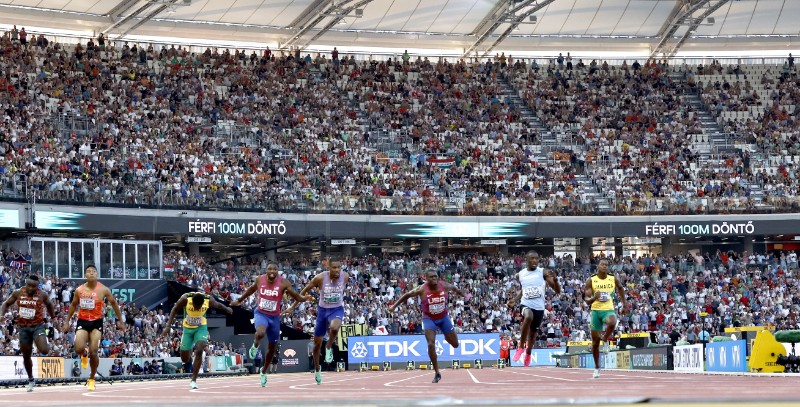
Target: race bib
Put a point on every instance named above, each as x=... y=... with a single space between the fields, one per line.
x=267 y=305
x=604 y=296
x=27 y=313
x=87 y=303
x=532 y=292
x=436 y=308
x=194 y=321
x=331 y=298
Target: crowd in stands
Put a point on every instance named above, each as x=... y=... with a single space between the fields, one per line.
x=689 y=296
x=119 y=123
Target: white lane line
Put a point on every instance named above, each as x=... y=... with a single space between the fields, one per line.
x=544 y=377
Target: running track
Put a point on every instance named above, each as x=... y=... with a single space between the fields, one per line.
x=512 y=386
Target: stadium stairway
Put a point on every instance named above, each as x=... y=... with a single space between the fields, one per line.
x=527 y=115
x=716 y=136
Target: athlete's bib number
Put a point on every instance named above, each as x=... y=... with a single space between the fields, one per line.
x=604 y=296
x=436 y=308
x=87 y=303
x=194 y=321
x=267 y=305
x=532 y=292
x=27 y=313
x=331 y=298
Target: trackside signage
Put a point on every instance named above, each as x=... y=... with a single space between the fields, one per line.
x=729 y=356
x=688 y=358
x=404 y=348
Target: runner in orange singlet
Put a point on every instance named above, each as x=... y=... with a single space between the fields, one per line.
x=89 y=299
x=31 y=305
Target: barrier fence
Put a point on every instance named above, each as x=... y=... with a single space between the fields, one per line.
x=12 y=367
x=400 y=349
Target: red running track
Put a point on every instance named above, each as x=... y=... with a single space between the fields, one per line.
x=517 y=386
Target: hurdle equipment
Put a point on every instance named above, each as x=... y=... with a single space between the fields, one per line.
x=363 y=367
x=410 y=365
x=387 y=366
x=456 y=364
x=478 y=364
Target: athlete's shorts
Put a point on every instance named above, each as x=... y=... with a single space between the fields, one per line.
x=193 y=335
x=90 y=326
x=445 y=324
x=271 y=322
x=599 y=318
x=538 y=316
x=325 y=317
x=28 y=333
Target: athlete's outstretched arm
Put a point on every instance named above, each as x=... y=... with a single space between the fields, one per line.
x=303 y=295
x=113 y=302
x=72 y=307
x=51 y=310
x=453 y=288
x=178 y=305
x=298 y=297
x=315 y=282
x=7 y=303
x=403 y=298
x=250 y=290
x=214 y=303
x=621 y=293
x=518 y=297
x=552 y=281
x=589 y=296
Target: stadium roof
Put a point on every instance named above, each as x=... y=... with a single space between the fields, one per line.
x=457 y=26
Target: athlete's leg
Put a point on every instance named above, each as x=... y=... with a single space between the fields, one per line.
x=536 y=320
x=41 y=343
x=446 y=326
x=187 y=342
x=335 y=322
x=527 y=319
x=94 y=358
x=81 y=339
x=430 y=337
x=271 y=347
x=596 y=348
x=199 y=348
x=320 y=328
x=261 y=330
x=317 y=348
x=27 y=350
x=611 y=324
x=333 y=332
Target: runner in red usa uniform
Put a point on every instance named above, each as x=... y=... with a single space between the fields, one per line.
x=270 y=288
x=433 y=296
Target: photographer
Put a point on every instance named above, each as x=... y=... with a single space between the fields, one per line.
x=116 y=368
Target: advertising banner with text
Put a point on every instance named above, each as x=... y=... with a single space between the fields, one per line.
x=403 y=348
x=283 y=225
x=688 y=358
x=651 y=358
x=11 y=367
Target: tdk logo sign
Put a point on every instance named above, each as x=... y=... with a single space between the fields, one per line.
x=415 y=347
